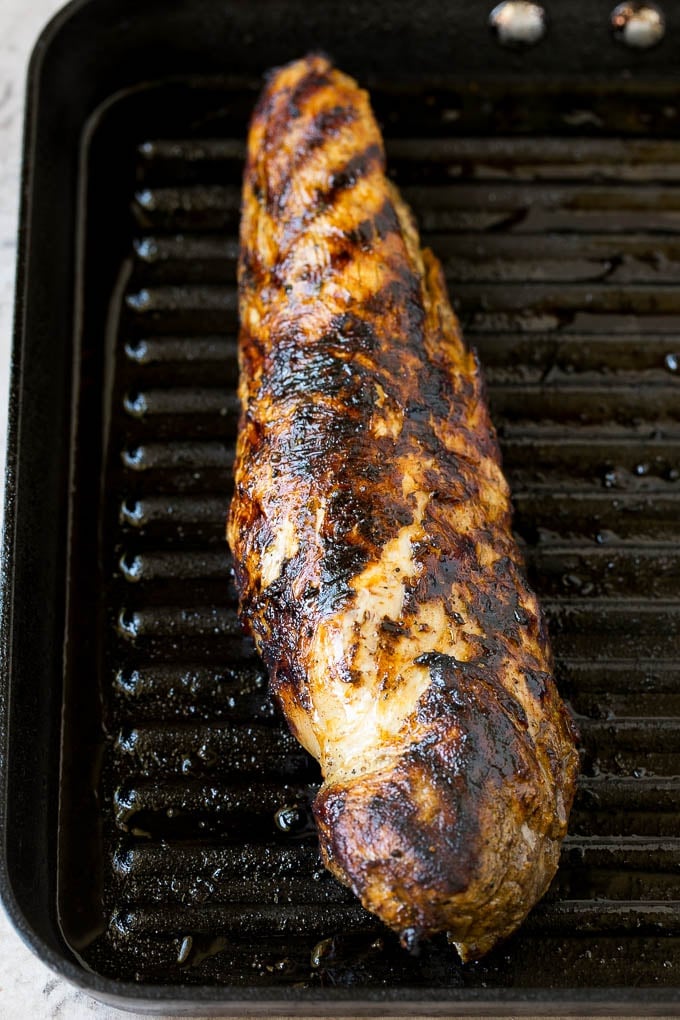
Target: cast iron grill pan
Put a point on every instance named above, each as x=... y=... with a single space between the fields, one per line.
x=557 y=219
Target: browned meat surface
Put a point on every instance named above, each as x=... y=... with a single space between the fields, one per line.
x=371 y=532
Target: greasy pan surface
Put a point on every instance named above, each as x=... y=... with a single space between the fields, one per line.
x=200 y=883
x=182 y=797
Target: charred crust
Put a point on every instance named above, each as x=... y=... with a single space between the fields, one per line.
x=386 y=221
x=419 y=823
x=457 y=685
x=393 y=627
x=342 y=561
x=352 y=332
x=538 y=684
x=425 y=844
x=369 y=232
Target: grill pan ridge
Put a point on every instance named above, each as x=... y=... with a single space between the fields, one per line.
x=178 y=792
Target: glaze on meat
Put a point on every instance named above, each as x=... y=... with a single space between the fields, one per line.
x=371 y=532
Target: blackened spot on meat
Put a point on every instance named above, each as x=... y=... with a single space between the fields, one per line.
x=294 y=371
x=362 y=236
x=309 y=84
x=512 y=707
x=328 y=122
x=276 y=617
x=249 y=271
x=442 y=569
x=262 y=536
x=502 y=566
x=417 y=411
x=472 y=680
x=253 y=429
x=392 y=627
x=329 y=808
x=341 y=562
x=351 y=332
x=537 y=684
x=446 y=672
x=348 y=675
x=439 y=663
x=339 y=258
x=401 y=296
x=358 y=166
x=386 y=221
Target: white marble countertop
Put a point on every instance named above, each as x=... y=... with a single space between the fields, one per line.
x=27 y=987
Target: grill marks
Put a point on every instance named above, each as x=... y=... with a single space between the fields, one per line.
x=296 y=118
x=357 y=166
x=329 y=429
x=280 y=188
x=371 y=527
